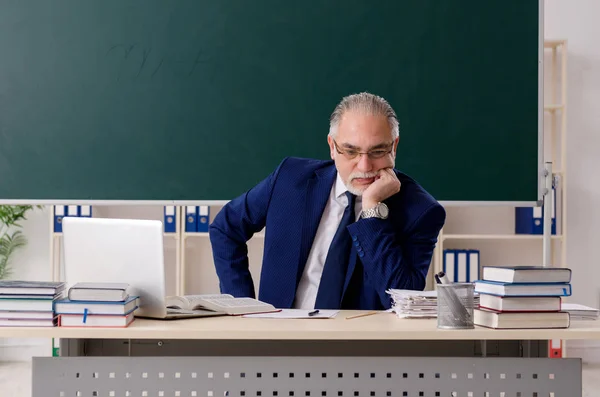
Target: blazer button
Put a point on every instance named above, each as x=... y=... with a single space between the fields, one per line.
x=356 y=243
x=361 y=254
x=354 y=238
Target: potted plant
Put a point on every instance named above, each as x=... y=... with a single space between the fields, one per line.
x=11 y=238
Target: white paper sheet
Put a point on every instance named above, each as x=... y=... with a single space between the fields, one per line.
x=295 y=313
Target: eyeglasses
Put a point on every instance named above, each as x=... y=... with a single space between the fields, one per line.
x=351 y=154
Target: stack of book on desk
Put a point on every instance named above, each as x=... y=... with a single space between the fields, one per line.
x=97 y=305
x=522 y=297
x=29 y=303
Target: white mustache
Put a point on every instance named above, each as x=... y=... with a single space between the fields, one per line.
x=365 y=175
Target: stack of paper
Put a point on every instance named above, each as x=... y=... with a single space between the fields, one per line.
x=414 y=304
x=580 y=312
x=417 y=304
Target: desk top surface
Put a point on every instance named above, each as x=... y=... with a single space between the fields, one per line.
x=381 y=326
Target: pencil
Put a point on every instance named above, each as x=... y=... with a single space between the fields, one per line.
x=361 y=315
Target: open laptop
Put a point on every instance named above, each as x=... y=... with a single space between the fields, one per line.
x=125 y=251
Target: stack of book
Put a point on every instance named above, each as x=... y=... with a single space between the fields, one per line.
x=522 y=297
x=29 y=303
x=97 y=305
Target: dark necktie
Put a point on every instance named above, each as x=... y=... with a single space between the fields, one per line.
x=331 y=286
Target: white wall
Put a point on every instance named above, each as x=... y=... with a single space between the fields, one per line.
x=578 y=22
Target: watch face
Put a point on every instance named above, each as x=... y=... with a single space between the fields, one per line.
x=383 y=210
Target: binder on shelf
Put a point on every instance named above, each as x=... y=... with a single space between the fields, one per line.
x=555 y=347
x=531 y=220
x=85 y=211
x=191 y=215
x=461 y=265
x=55 y=347
x=170 y=223
x=450 y=264
x=59 y=213
x=72 y=210
x=473 y=265
x=203 y=218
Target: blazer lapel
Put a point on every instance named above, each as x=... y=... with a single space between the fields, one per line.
x=318 y=189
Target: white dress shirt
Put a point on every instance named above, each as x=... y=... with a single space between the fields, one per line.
x=306 y=294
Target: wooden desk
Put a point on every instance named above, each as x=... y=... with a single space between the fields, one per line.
x=282 y=374
x=383 y=326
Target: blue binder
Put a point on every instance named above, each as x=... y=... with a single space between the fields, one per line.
x=450 y=266
x=59 y=213
x=191 y=215
x=203 y=218
x=72 y=210
x=85 y=211
x=170 y=224
x=461 y=265
x=473 y=265
x=531 y=220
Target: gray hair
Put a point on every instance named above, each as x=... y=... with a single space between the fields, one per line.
x=367 y=103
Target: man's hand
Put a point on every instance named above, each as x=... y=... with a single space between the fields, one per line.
x=386 y=184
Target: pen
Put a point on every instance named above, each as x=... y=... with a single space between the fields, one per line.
x=313 y=312
x=362 y=315
x=441 y=278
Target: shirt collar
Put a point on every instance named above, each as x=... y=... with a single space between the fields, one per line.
x=341 y=189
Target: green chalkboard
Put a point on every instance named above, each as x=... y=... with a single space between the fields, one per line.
x=201 y=99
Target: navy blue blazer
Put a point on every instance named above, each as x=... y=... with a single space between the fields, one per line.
x=396 y=252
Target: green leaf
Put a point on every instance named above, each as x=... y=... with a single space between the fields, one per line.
x=8 y=245
x=10 y=215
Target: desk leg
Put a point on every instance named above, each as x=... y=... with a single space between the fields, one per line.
x=72 y=347
x=526 y=348
x=484 y=348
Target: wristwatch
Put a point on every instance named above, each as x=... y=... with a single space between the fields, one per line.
x=380 y=211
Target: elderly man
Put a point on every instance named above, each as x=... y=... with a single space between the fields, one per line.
x=338 y=233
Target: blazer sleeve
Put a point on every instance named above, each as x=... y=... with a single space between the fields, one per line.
x=390 y=263
x=233 y=226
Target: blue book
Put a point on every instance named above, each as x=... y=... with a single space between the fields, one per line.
x=522 y=289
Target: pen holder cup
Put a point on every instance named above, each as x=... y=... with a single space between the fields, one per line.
x=455 y=304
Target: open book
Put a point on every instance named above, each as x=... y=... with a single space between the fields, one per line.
x=220 y=303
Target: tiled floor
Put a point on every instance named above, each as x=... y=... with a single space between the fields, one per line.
x=15 y=379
